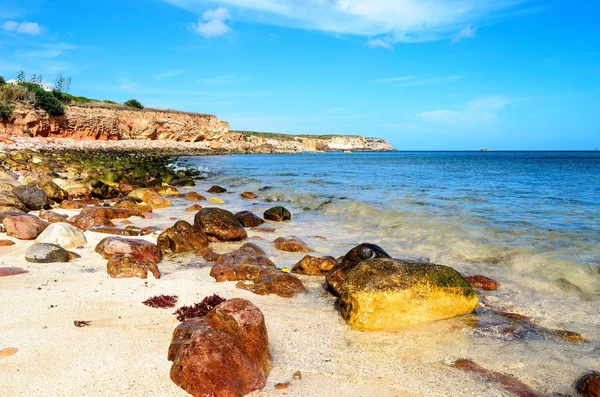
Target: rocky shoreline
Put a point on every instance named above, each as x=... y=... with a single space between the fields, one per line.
x=108 y=217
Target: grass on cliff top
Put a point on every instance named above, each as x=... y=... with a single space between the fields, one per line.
x=288 y=137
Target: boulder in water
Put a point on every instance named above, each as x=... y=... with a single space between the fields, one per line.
x=278 y=214
x=220 y=223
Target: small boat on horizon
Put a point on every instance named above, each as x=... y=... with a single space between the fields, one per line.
x=347 y=151
x=484 y=150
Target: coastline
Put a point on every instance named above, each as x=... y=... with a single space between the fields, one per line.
x=306 y=333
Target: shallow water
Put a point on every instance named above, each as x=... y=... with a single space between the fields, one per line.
x=527 y=219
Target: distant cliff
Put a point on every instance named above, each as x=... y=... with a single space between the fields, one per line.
x=104 y=123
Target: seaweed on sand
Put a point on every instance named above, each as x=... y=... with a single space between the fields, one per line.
x=198 y=309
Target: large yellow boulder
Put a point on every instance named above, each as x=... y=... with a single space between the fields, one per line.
x=388 y=294
x=150 y=197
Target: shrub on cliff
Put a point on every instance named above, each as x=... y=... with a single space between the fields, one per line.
x=2 y=81
x=12 y=93
x=133 y=103
x=6 y=110
x=45 y=100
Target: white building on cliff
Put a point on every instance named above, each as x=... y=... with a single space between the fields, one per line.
x=45 y=86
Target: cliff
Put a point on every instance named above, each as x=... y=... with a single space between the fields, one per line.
x=114 y=123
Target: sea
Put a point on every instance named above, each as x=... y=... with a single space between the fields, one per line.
x=530 y=220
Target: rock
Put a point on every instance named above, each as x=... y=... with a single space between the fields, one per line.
x=240 y=267
x=80 y=191
x=291 y=244
x=139 y=249
x=248 y=195
x=63 y=234
x=589 y=385
x=264 y=229
x=109 y=213
x=85 y=222
x=389 y=294
x=168 y=191
x=225 y=353
x=10 y=200
x=274 y=282
x=8 y=351
x=52 y=216
x=70 y=205
x=6 y=243
x=114 y=231
x=128 y=266
x=193 y=196
x=52 y=190
x=46 y=253
x=216 y=200
x=313 y=266
x=11 y=271
x=130 y=205
x=33 y=198
x=216 y=189
x=482 y=282
x=220 y=223
x=278 y=214
x=248 y=219
x=150 y=197
x=182 y=237
x=193 y=208
x=24 y=227
x=336 y=276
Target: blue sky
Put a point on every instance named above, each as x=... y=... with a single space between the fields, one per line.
x=424 y=74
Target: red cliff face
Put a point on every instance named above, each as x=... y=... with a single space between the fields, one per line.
x=99 y=123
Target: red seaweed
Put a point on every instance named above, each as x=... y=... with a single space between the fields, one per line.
x=11 y=271
x=161 y=301
x=199 y=309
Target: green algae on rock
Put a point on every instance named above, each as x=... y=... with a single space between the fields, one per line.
x=389 y=294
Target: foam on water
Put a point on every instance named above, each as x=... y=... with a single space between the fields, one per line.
x=527 y=220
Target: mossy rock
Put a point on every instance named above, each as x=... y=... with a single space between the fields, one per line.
x=389 y=294
x=110 y=178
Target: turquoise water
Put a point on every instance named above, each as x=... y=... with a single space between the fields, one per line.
x=530 y=220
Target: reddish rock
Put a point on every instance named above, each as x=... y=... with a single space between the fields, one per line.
x=249 y=219
x=274 y=282
x=313 y=266
x=168 y=191
x=507 y=382
x=482 y=282
x=24 y=227
x=6 y=243
x=11 y=202
x=127 y=266
x=225 y=353
x=194 y=196
x=264 y=229
x=194 y=208
x=114 y=231
x=336 y=276
x=130 y=205
x=127 y=188
x=11 y=271
x=70 y=205
x=182 y=237
x=84 y=222
x=52 y=216
x=150 y=197
x=291 y=244
x=216 y=189
x=208 y=254
x=248 y=195
x=220 y=223
x=139 y=249
x=109 y=212
x=589 y=385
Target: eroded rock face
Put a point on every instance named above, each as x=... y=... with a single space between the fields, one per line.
x=139 y=249
x=291 y=244
x=182 y=237
x=225 y=353
x=249 y=219
x=313 y=266
x=336 y=276
x=127 y=266
x=32 y=197
x=63 y=234
x=46 y=253
x=278 y=214
x=389 y=294
x=220 y=223
x=24 y=227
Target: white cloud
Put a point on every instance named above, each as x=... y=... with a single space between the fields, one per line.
x=467 y=33
x=379 y=43
x=49 y=50
x=479 y=112
x=30 y=28
x=390 y=21
x=170 y=73
x=212 y=23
